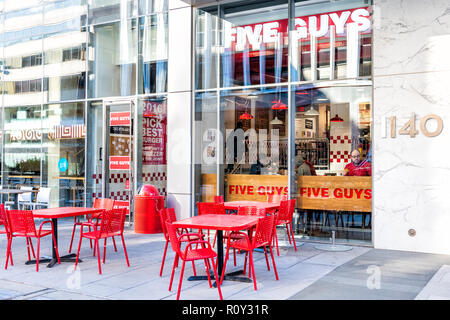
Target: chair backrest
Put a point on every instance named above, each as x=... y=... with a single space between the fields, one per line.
x=287 y=208
x=163 y=216
x=113 y=222
x=173 y=237
x=206 y=208
x=21 y=222
x=218 y=199
x=24 y=197
x=43 y=195
x=275 y=198
x=103 y=203
x=4 y=218
x=264 y=231
x=220 y=208
x=251 y=211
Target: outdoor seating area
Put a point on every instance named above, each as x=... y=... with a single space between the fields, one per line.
x=241 y=226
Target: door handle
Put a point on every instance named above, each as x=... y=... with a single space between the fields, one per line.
x=100 y=153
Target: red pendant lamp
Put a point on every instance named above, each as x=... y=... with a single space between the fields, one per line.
x=246 y=116
x=278 y=105
x=336 y=118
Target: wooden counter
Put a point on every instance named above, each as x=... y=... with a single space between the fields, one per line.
x=313 y=192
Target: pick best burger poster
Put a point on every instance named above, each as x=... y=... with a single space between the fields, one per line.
x=154 y=135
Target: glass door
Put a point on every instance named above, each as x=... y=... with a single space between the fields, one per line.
x=118 y=155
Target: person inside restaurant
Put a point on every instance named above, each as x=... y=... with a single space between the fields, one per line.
x=358 y=167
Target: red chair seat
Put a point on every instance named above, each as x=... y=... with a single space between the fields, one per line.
x=201 y=253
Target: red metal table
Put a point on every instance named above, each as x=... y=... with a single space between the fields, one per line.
x=220 y=223
x=55 y=214
x=269 y=207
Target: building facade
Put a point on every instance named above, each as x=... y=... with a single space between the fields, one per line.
x=245 y=99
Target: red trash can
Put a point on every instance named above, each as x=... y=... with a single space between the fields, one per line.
x=146 y=212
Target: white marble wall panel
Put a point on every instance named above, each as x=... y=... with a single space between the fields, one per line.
x=411 y=36
x=411 y=175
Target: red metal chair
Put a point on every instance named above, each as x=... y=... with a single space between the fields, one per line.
x=168 y=214
x=112 y=223
x=206 y=208
x=276 y=198
x=205 y=252
x=285 y=215
x=251 y=211
x=261 y=238
x=218 y=199
x=21 y=224
x=99 y=203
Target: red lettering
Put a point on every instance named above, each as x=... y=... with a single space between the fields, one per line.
x=285 y=190
x=324 y=193
x=316 y=192
x=368 y=194
x=271 y=190
x=358 y=193
x=338 y=193
x=261 y=190
x=250 y=190
x=348 y=193
x=242 y=189
x=279 y=189
x=230 y=189
x=302 y=191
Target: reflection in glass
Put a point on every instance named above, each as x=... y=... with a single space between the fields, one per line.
x=152 y=6
x=153 y=50
x=255 y=44
x=330 y=123
x=206 y=49
x=112 y=68
x=207 y=139
x=63 y=149
x=101 y=11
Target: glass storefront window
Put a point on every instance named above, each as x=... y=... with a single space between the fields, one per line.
x=153 y=52
x=65 y=50
x=112 y=59
x=255 y=43
x=333 y=161
x=152 y=6
x=207 y=138
x=63 y=149
x=256 y=143
x=152 y=144
x=206 y=49
x=101 y=11
x=331 y=41
x=22 y=144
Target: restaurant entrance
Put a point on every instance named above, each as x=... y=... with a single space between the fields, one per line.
x=111 y=152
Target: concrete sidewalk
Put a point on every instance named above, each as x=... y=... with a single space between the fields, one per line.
x=309 y=273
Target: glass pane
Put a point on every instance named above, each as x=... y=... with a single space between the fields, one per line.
x=95 y=145
x=334 y=193
x=206 y=50
x=22 y=147
x=255 y=43
x=207 y=138
x=63 y=148
x=65 y=50
x=153 y=52
x=101 y=11
x=112 y=55
x=256 y=143
x=152 y=145
x=152 y=6
x=331 y=41
x=22 y=54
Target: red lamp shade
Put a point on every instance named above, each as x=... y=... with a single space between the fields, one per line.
x=246 y=116
x=148 y=190
x=278 y=105
x=336 y=118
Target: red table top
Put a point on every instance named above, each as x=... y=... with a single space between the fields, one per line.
x=234 y=205
x=63 y=212
x=227 y=222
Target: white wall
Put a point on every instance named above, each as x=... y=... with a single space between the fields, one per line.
x=411 y=175
x=179 y=120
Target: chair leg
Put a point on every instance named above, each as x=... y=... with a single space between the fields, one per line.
x=207 y=272
x=55 y=245
x=224 y=264
x=217 y=282
x=164 y=258
x=73 y=233
x=78 y=252
x=28 y=248
x=173 y=271
x=114 y=243
x=37 y=258
x=8 y=252
x=267 y=260
x=125 y=250
x=253 y=269
x=291 y=232
x=276 y=240
x=98 y=256
x=273 y=262
x=193 y=267
x=104 y=251
x=181 y=280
